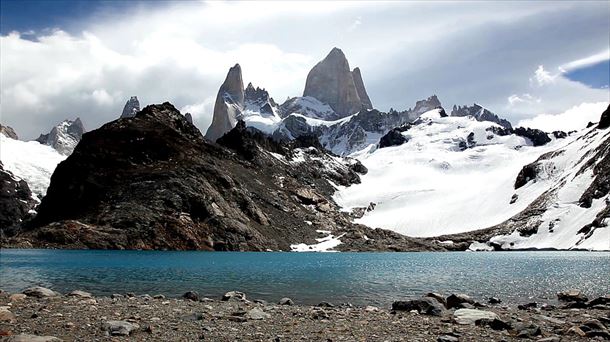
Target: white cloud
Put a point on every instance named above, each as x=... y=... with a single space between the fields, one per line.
x=586 y=61
x=574 y=118
x=180 y=52
x=542 y=77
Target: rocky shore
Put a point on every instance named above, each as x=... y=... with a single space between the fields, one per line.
x=40 y=314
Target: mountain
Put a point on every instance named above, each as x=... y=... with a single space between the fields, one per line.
x=30 y=161
x=64 y=137
x=132 y=106
x=331 y=82
x=450 y=176
x=153 y=182
x=229 y=104
x=480 y=113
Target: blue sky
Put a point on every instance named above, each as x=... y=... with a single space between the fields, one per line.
x=62 y=59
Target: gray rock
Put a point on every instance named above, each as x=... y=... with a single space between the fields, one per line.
x=572 y=296
x=191 y=295
x=447 y=338
x=257 y=314
x=8 y=132
x=132 y=106
x=550 y=339
x=286 y=301
x=364 y=97
x=234 y=296
x=495 y=324
x=188 y=117
x=228 y=106
x=332 y=82
x=527 y=330
x=31 y=338
x=425 y=306
x=40 y=292
x=7 y=316
x=494 y=300
x=119 y=328
x=470 y=316
x=439 y=297
x=80 y=294
x=325 y=305
x=319 y=314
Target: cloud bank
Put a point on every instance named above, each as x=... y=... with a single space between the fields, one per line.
x=506 y=56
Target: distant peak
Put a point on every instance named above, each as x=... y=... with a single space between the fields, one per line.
x=336 y=53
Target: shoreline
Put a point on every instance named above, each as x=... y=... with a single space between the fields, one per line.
x=80 y=316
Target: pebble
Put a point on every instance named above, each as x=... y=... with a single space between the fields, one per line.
x=119 y=328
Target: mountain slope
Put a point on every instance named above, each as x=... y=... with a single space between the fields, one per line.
x=453 y=174
x=64 y=137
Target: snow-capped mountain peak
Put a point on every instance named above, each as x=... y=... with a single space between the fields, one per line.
x=64 y=137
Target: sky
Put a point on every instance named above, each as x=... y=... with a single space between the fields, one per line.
x=531 y=62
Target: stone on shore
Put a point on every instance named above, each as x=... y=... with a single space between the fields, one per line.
x=40 y=292
x=458 y=301
x=15 y=297
x=257 y=314
x=31 y=338
x=439 y=297
x=234 y=296
x=80 y=294
x=7 y=316
x=286 y=301
x=447 y=338
x=527 y=330
x=572 y=296
x=425 y=306
x=470 y=316
x=120 y=328
x=191 y=295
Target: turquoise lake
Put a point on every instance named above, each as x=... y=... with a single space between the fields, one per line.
x=308 y=278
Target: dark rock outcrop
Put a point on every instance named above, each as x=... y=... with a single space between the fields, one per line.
x=480 y=114
x=188 y=117
x=8 y=132
x=132 y=106
x=332 y=82
x=16 y=202
x=536 y=136
x=393 y=138
x=604 y=120
x=64 y=137
x=424 y=305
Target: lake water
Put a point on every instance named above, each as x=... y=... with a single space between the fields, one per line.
x=308 y=278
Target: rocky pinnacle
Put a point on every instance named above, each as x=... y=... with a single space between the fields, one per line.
x=131 y=107
x=332 y=82
x=229 y=104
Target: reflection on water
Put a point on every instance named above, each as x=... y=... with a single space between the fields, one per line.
x=358 y=278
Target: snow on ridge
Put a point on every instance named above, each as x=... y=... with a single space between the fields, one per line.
x=432 y=185
x=30 y=161
x=325 y=244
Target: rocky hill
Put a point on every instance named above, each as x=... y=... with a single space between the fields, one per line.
x=153 y=182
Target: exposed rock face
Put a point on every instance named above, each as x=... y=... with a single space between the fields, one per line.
x=258 y=100
x=361 y=90
x=8 y=132
x=332 y=82
x=16 y=201
x=153 y=182
x=229 y=104
x=480 y=113
x=394 y=137
x=132 y=106
x=536 y=136
x=604 y=121
x=64 y=137
x=423 y=106
x=188 y=117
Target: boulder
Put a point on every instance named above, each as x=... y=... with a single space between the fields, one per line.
x=119 y=328
x=286 y=301
x=425 y=306
x=470 y=316
x=257 y=314
x=234 y=296
x=191 y=295
x=80 y=294
x=572 y=296
x=527 y=330
x=15 y=297
x=495 y=324
x=40 y=292
x=7 y=316
x=456 y=300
